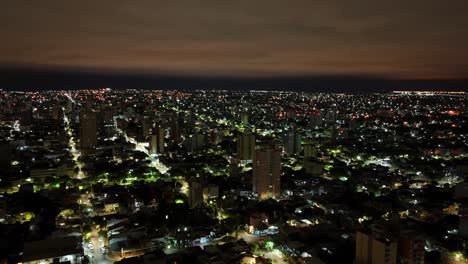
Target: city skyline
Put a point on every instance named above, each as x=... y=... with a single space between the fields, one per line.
x=38 y=79
x=248 y=132
x=172 y=176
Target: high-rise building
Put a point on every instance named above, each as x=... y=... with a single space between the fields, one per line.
x=195 y=142
x=310 y=163
x=146 y=126
x=108 y=117
x=461 y=194
x=210 y=191
x=363 y=248
x=384 y=251
x=245 y=118
x=310 y=151
x=463 y=226
x=267 y=171
x=316 y=120
x=215 y=136
x=333 y=134
x=233 y=168
x=461 y=191
x=156 y=144
x=195 y=194
x=27 y=118
x=6 y=154
x=353 y=125
x=69 y=105
x=375 y=249
x=175 y=126
x=292 y=142
x=411 y=248
x=246 y=147
x=56 y=112
x=88 y=132
x=331 y=115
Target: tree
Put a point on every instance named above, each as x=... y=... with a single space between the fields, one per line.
x=49 y=180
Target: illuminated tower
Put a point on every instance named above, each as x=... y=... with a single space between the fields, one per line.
x=195 y=194
x=27 y=118
x=331 y=115
x=195 y=142
x=316 y=120
x=146 y=125
x=411 y=247
x=156 y=143
x=292 y=142
x=384 y=250
x=88 y=132
x=310 y=151
x=267 y=171
x=246 y=147
x=461 y=194
x=245 y=118
x=363 y=248
x=375 y=249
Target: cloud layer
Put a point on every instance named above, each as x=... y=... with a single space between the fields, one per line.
x=400 y=39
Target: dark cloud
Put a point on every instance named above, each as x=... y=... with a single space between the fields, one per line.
x=392 y=38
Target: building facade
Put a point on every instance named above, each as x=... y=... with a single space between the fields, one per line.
x=375 y=249
x=246 y=147
x=88 y=132
x=267 y=171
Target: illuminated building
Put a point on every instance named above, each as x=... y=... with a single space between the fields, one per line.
x=375 y=249
x=195 y=142
x=331 y=115
x=411 y=248
x=210 y=191
x=6 y=154
x=246 y=147
x=316 y=120
x=461 y=194
x=53 y=250
x=363 y=248
x=27 y=118
x=146 y=126
x=88 y=132
x=384 y=251
x=463 y=226
x=310 y=151
x=267 y=171
x=156 y=143
x=244 y=118
x=56 y=113
x=195 y=194
x=292 y=142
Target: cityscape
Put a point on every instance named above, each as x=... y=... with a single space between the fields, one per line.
x=162 y=176
x=234 y=132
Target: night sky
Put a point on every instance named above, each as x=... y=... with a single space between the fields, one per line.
x=396 y=39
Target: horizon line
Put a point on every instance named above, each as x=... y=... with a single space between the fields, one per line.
x=183 y=74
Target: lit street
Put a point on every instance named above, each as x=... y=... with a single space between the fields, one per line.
x=98 y=256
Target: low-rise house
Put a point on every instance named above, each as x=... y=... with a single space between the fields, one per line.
x=55 y=250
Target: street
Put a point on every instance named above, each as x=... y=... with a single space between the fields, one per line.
x=97 y=257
